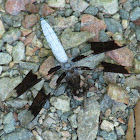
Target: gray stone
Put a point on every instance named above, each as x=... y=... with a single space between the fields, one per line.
x=7 y=19
x=127 y=6
x=73 y=39
x=88 y=61
x=77 y=27
x=135 y=14
x=1 y=44
x=11 y=83
x=5 y=58
x=78 y=5
x=88 y=120
x=120 y=130
x=75 y=52
x=108 y=136
x=50 y=135
x=73 y=120
x=56 y=3
x=12 y=35
x=113 y=25
x=103 y=36
x=124 y=14
x=76 y=13
x=91 y=10
x=9 y=123
x=68 y=12
x=29 y=66
x=62 y=103
x=18 y=52
x=19 y=134
x=106 y=6
x=138 y=33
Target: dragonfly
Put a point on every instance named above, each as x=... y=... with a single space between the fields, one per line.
x=70 y=71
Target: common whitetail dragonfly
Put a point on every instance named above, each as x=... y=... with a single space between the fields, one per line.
x=70 y=72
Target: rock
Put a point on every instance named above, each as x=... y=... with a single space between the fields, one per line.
x=113 y=25
x=88 y=61
x=92 y=24
x=78 y=5
x=135 y=14
x=123 y=56
x=18 y=52
x=91 y=11
x=62 y=103
x=136 y=66
x=33 y=9
x=29 y=66
x=73 y=39
x=29 y=39
x=51 y=135
x=2 y=29
x=7 y=19
x=132 y=82
x=108 y=136
x=88 y=120
x=120 y=130
x=127 y=6
x=68 y=12
x=48 y=122
x=25 y=31
x=124 y=14
x=63 y=23
x=117 y=93
x=18 y=134
x=5 y=58
x=73 y=120
x=11 y=83
x=46 y=66
x=14 y=7
x=56 y=3
x=36 y=42
x=9 y=48
x=138 y=33
x=107 y=126
x=103 y=36
x=124 y=24
x=106 y=6
x=45 y=10
x=1 y=44
x=9 y=123
x=12 y=35
x=30 y=20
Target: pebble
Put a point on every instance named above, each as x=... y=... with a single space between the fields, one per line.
x=2 y=29
x=12 y=35
x=91 y=10
x=107 y=126
x=78 y=5
x=56 y=3
x=113 y=25
x=92 y=24
x=135 y=14
x=5 y=58
x=73 y=39
x=87 y=130
x=73 y=120
x=9 y=123
x=52 y=135
x=108 y=135
x=103 y=36
x=120 y=130
x=18 y=134
x=124 y=14
x=68 y=12
x=118 y=93
x=108 y=7
x=1 y=44
x=18 y=52
x=61 y=103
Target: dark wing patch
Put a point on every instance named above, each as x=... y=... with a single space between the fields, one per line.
x=29 y=81
x=77 y=58
x=60 y=78
x=54 y=69
x=100 y=47
x=108 y=67
x=83 y=68
x=38 y=102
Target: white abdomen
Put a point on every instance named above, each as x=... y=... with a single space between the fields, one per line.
x=54 y=42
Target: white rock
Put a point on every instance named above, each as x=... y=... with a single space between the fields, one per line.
x=107 y=126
